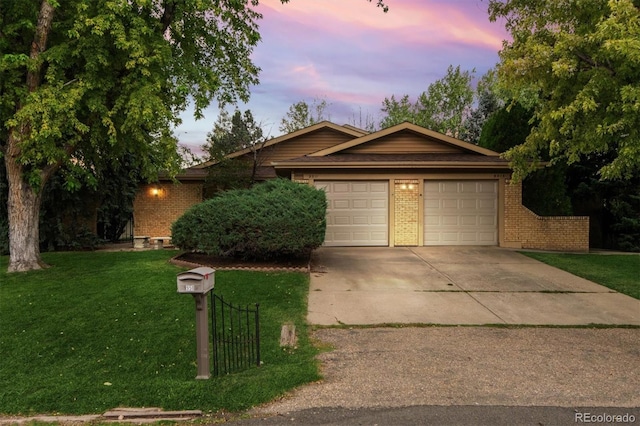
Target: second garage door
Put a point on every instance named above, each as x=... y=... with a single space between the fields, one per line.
x=357 y=212
x=461 y=212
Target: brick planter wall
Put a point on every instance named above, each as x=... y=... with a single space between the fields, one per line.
x=157 y=206
x=523 y=228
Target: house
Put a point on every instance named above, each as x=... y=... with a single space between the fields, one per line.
x=400 y=186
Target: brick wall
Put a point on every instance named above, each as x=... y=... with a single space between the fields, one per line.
x=406 y=215
x=523 y=228
x=157 y=206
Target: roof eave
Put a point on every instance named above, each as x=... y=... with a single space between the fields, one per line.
x=391 y=164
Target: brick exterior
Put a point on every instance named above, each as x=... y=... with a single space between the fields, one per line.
x=154 y=214
x=525 y=229
x=406 y=213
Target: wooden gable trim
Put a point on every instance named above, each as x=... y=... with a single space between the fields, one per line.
x=348 y=130
x=406 y=126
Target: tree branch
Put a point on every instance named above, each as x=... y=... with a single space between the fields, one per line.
x=168 y=15
x=586 y=59
x=39 y=43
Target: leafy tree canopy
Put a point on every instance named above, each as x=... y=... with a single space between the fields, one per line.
x=232 y=133
x=443 y=107
x=301 y=115
x=576 y=64
x=84 y=82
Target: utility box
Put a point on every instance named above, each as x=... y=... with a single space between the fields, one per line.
x=196 y=281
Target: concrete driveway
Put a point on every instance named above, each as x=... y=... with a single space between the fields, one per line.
x=455 y=285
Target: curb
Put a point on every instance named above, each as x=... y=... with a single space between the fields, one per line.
x=129 y=415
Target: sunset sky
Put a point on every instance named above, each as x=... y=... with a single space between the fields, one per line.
x=352 y=55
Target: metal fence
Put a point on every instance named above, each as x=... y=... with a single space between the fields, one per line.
x=236 y=336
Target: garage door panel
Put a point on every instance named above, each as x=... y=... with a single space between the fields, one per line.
x=357 y=213
x=339 y=220
x=339 y=187
x=487 y=220
x=460 y=212
x=360 y=220
x=379 y=203
x=360 y=204
x=469 y=220
x=379 y=187
x=449 y=220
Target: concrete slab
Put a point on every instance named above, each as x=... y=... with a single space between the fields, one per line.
x=455 y=285
x=395 y=307
x=373 y=268
x=562 y=308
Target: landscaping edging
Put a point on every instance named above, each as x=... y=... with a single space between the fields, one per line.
x=240 y=266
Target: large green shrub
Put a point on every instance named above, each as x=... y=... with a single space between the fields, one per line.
x=272 y=219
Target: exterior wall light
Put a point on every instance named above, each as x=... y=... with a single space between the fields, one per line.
x=155 y=191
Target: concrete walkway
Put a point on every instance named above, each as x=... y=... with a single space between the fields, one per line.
x=455 y=285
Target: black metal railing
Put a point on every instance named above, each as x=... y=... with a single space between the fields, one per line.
x=236 y=336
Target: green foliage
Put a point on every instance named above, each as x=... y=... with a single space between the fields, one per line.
x=544 y=191
x=231 y=134
x=107 y=329
x=576 y=64
x=443 y=107
x=67 y=218
x=301 y=115
x=612 y=205
x=488 y=102
x=507 y=127
x=272 y=219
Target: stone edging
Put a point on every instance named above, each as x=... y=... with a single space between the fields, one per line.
x=187 y=264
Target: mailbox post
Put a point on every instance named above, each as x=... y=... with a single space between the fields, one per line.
x=198 y=282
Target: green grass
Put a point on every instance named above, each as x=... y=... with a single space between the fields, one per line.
x=103 y=330
x=617 y=272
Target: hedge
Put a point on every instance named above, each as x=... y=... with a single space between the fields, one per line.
x=272 y=219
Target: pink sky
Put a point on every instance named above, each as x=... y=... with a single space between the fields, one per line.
x=352 y=55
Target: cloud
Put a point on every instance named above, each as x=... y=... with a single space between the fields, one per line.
x=353 y=55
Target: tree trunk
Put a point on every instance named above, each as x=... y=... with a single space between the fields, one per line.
x=24 y=219
x=24 y=201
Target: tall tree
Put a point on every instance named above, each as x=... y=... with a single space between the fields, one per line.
x=488 y=102
x=231 y=134
x=301 y=115
x=443 y=107
x=576 y=63
x=83 y=82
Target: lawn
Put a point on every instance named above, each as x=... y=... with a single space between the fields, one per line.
x=103 y=330
x=617 y=272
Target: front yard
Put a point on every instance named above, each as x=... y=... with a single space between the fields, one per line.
x=619 y=272
x=104 y=330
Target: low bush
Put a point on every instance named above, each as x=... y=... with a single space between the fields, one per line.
x=273 y=219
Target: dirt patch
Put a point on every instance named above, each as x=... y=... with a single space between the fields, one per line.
x=225 y=263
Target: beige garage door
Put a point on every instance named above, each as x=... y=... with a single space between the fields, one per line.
x=357 y=213
x=460 y=212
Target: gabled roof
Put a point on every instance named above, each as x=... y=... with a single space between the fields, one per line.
x=402 y=146
x=406 y=126
x=346 y=129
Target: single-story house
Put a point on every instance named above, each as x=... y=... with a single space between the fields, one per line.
x=400 y=186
